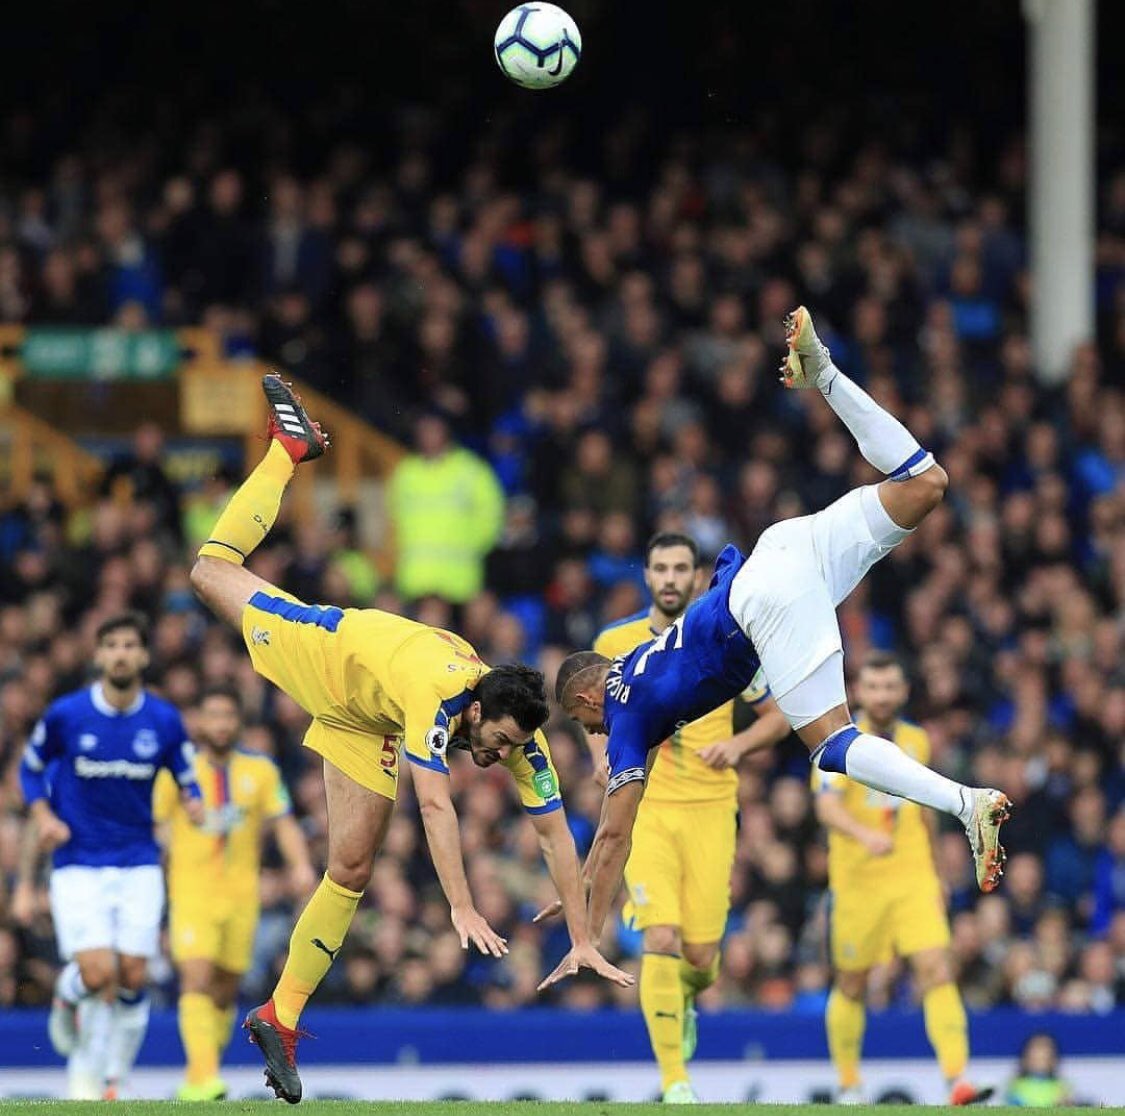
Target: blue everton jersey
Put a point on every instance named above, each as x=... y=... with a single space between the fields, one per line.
x=698 y=663
x=97 y=764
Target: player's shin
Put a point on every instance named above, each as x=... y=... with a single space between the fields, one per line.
x=224 y=1018
x=881 y=765
x=662 y=1003
x=845 y=1020
x=695 y=980
x=252 y=510
x=129 y=1024
x=947 y=1029
x=198 y=1033
x=317 y=938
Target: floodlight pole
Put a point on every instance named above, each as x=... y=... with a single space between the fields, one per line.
x=1061 y=196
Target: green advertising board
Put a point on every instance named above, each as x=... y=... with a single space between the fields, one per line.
x=99 y=354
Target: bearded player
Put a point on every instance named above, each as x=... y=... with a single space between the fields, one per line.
x=371 y=681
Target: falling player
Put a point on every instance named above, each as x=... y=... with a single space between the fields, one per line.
x=777 y=610
x=679 y=870
x=886 y=896
x=87 y=776
x=370 y=681
x=213 y=872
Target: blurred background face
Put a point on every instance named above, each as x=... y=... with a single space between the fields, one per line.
x=219 y=723
x=671 y=577
x=882 y=692
x=121 y=658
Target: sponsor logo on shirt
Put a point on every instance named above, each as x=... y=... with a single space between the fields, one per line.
x=87 y=768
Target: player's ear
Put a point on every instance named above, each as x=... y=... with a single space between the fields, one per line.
x=472 y=713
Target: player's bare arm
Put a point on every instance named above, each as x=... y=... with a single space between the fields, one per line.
x=769 y=728
x=557 y=845
x=294 y=851
x=833 y=814
x=439 y=819
x=608 y=854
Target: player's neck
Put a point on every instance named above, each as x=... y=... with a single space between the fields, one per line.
x=118 y=698
x=658 y=620
x=217 y=757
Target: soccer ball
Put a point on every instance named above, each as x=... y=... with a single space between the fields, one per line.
x=537 y=45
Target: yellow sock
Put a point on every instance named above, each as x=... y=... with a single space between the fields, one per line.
x=845 y=1021
x=224 y=1027
x=197 y=1032
x=247 y=519
x=316 y=940
x=662 y=1001
x=947 y=1029
x=693 y=980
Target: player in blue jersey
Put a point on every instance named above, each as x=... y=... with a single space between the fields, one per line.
x=776 y=609
x=87 y=776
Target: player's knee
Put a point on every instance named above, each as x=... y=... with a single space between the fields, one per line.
x=700 y=955
x=852 y=985
x=931 y=970
x=97 y=973
x=133 y=974
x=350 y=871
x=932 y=485
x=662 y=939
x=202 y=575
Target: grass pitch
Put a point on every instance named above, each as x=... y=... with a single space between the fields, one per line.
x=466 y=1108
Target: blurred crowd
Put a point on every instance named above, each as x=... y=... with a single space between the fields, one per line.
x=596 y=348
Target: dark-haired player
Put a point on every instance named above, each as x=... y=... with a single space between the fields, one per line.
x=87 y=776
x=777 y=610
x=372 y=681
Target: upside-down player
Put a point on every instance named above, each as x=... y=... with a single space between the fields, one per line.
x=372 y=680
x=213 y=874
x=679 y=869
x=886 y=895
x=776 y=610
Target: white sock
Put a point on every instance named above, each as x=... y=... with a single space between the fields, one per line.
x=130 y=1022
x=878 y=763
x=69 y=985
x=884 y=442
x=95 y=1026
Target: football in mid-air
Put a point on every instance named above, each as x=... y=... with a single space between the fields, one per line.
x=537 y=45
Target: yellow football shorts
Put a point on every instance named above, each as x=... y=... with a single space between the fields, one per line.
x=869 y=925
x=297 y=647
x=225 y=937
x=679 y=868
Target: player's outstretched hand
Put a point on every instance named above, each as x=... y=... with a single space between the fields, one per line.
x=878 y=844
x=53 y=831
x=549 y=911
x=721 y=755
x=471 y=926
x=194 y=809
x=586 y=956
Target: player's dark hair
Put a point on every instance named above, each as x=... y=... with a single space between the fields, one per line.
x=124 y=620
x=663 y=539
x=880 y=660
x=223 y=690
x=574 y=665
x=516 y=690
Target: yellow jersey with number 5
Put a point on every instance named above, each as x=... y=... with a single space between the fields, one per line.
x=679 y=775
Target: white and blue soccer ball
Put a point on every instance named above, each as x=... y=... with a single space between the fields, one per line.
x=537 y=45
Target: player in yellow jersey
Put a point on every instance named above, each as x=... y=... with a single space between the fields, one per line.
x=372 y=681
x=679 y=869
x=886 y=896
x=213 y=879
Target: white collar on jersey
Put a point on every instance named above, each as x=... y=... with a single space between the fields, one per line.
x=97 y=696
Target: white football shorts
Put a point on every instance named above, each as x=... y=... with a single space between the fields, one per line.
x=108 y=908
x=785 y=597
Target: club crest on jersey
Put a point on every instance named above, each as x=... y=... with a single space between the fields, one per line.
x=87 y=741
x=146 y=743
x=260 y=636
